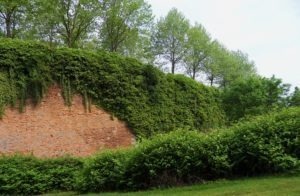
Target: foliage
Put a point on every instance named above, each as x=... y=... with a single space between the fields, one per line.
x=169 y=37
x=197 y=50
x=147 y=99
x=104 y=172
x=12 y=14
x=27 y=67
x=126 y=90
x=177 y=158
x=266 y=144
x=253 y=96
x=124 y=22
x=125 y=27
x=7 y=95
x=294 y=99
x=235 y=66
x=75 y=18
x=29 y=175
x=118 y=26
x=223 y=67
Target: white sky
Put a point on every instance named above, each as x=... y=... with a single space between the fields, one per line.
x=267 y=30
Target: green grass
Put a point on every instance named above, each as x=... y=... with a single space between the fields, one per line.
x=279 y=185
x=270 y=185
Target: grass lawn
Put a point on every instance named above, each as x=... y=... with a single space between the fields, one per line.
x=271 y=185
x=279 y=185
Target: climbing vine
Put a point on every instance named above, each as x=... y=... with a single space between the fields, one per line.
x=147 y=99
x=66 y=90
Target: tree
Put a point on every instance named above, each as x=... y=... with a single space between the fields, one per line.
x=140 y=48
x=276 y=92
x=43 y=22
x=212 y=66
x=295 y=98
x=12 y=16
x=170 y=36
x=197 y=50
x=61 y=21
x=125 y=25
x=253 y=96
x=224 y=67
x=245 y=68
x=76 y=17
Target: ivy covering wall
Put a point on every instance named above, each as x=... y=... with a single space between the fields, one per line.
x=149 y=100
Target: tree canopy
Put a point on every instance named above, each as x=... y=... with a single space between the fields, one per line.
x=295 y=97
x=169 y=37
x=253 y=96
x=198 y=46
x=124 y=22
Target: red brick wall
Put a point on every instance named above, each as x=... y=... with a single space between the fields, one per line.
x=51 y=129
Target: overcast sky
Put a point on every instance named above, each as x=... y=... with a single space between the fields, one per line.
x=267 y=30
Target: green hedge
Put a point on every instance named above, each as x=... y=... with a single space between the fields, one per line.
x=28 y=175
x=268 y=143
x=175 y=159
x=264 y=145
x=104 y=172
x=146 y=98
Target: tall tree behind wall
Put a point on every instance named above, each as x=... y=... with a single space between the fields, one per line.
x=170 y=36
x=125 y=26
x=254 y=95
x=12 y=15
x=63 y=21
x=223 y=66
x=76 y=17
x=197 y=50
x=295 y=97
x=211 y=68
x=43 y=22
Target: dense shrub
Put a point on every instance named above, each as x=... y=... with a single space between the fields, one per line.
x=143 y=96
x=62 y=172
x=266 y=144
x=29 y=175
x=104 y=172
x=177 y=158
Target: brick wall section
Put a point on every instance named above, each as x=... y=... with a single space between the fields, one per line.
x=51 y=129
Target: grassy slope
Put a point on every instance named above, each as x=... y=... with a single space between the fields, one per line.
x=279 y=185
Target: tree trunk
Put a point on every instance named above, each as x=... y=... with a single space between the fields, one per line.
x=173 y=62
x=70 y=41
x=8 y=27
x=51 y=38
x=211 y=79
x=173 y=67
x=194 y=73
x=113 y=47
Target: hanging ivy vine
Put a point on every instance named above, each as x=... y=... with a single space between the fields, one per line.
x=66 y=90
x=147 y=99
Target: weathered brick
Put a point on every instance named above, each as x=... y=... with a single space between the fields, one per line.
x=52 y=129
